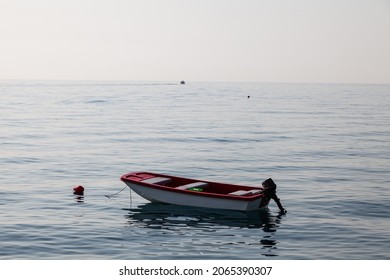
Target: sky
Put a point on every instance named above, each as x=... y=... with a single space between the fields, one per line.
x=315 y=41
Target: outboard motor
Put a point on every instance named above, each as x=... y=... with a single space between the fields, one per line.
x=270 y=192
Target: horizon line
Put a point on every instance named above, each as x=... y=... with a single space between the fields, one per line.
x=173 y=82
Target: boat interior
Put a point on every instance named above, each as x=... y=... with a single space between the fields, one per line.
x=192 y=185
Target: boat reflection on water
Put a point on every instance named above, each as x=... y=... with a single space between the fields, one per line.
x=153 y=214
x=188 y=219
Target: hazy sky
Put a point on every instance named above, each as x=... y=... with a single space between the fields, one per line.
x=341 y=41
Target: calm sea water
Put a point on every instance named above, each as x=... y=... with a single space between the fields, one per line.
x=326 y=146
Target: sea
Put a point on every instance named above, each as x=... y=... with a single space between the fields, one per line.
x=326 y=146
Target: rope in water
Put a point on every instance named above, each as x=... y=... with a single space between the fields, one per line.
x=109 y=196
x=131 y=199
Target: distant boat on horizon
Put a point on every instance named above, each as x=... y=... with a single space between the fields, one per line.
x=182 y=82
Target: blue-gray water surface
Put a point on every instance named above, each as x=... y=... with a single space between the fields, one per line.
x=326 y=146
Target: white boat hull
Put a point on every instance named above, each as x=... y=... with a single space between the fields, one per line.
x=160 y=195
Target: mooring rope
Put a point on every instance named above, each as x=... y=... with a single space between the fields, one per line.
x=109 y=196
x=131 y=198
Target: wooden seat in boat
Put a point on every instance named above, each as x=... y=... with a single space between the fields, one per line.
x=158 y=181
x=192 y=185
x=249 y=192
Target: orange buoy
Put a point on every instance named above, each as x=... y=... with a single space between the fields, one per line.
x=79 y=190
